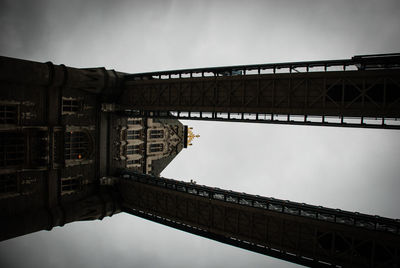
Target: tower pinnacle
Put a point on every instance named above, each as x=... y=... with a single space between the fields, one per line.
x=191 y=136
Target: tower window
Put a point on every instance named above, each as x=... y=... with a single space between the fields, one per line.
x=133 y=162
x=71 y=184
x=156 y=147
x=8 y=114
x=134 y=121
x=12 y=149
x=133 y=134
x=71 y=105
x=132 y=149
x=8 y=183
x=76 y=145
x=156 y=134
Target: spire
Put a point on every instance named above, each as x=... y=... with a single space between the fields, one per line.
x=191 y=136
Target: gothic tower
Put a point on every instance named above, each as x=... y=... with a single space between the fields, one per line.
x=57 y=141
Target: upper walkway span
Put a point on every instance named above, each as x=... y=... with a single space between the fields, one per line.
x=363 y=91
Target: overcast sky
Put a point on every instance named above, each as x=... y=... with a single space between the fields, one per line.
x=351 y=169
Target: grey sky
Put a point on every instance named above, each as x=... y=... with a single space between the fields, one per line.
x=351 y=169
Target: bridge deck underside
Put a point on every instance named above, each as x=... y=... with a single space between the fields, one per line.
x=367 y=94
x=290 y=237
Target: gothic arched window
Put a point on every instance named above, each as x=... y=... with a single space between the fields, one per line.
x=76 y=145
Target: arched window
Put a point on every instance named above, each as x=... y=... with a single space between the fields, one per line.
x=76 y=145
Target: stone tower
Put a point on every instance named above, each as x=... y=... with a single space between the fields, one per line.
x=58 y=137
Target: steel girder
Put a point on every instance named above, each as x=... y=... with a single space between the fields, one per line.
x=356 y=93
x=300 y=233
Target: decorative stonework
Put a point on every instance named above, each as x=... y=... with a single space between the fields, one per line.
x=191 y=136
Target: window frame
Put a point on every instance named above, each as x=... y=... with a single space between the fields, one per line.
x=73 y=107
x=8 y=114
x=8 y=184
x=71 y=184
x=133 y=149
x=134 y=121
x=156 y=147
x=133 y=162
x=12 y=149
x=156 y=134
x=76 y=150
x=133 y=134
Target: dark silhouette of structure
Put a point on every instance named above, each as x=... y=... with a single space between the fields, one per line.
x=83 y=144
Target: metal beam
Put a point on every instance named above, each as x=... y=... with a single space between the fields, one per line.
x=300 y=233
x=361 y=92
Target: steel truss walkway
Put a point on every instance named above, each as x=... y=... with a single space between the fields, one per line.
x=360 y=92
x=295 y=232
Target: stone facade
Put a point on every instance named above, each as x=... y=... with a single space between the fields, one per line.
x=59 y=135
x=147 y=144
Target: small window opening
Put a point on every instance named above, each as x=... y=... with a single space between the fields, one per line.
x=8 y=183
x=132 y=149
x=133 y=134
x=71 y=105
x=8 y=114
x=134 y=121
x=133 y=162
x=156 y=134
x=12 y=149
x=156 y=147
x=71 y=184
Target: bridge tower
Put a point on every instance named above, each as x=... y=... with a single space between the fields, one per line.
x=82 y=144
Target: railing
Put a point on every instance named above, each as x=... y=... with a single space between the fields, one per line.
x=287 y=119
x=361 y=62
x=366 y=62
